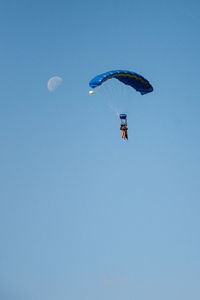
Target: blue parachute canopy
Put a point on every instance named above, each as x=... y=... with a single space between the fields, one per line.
x=123 y=116
x=136 y=81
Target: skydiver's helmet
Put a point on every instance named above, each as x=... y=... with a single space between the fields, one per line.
x=123 y=118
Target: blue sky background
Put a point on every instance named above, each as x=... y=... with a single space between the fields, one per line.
x=84 y=215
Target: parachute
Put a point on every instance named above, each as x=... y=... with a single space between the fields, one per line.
x=136 y=81
x=132 y=79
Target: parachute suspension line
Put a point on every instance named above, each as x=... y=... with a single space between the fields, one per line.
x=113 y=109
x=91 y=92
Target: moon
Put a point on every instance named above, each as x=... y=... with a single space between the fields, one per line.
x=54 y=83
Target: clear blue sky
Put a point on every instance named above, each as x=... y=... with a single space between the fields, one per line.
x=84 y=215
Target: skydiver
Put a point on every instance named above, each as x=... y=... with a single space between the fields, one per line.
x=124 y=129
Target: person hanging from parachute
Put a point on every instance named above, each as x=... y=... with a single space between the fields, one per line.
x=123 y=126
x=132 y=79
